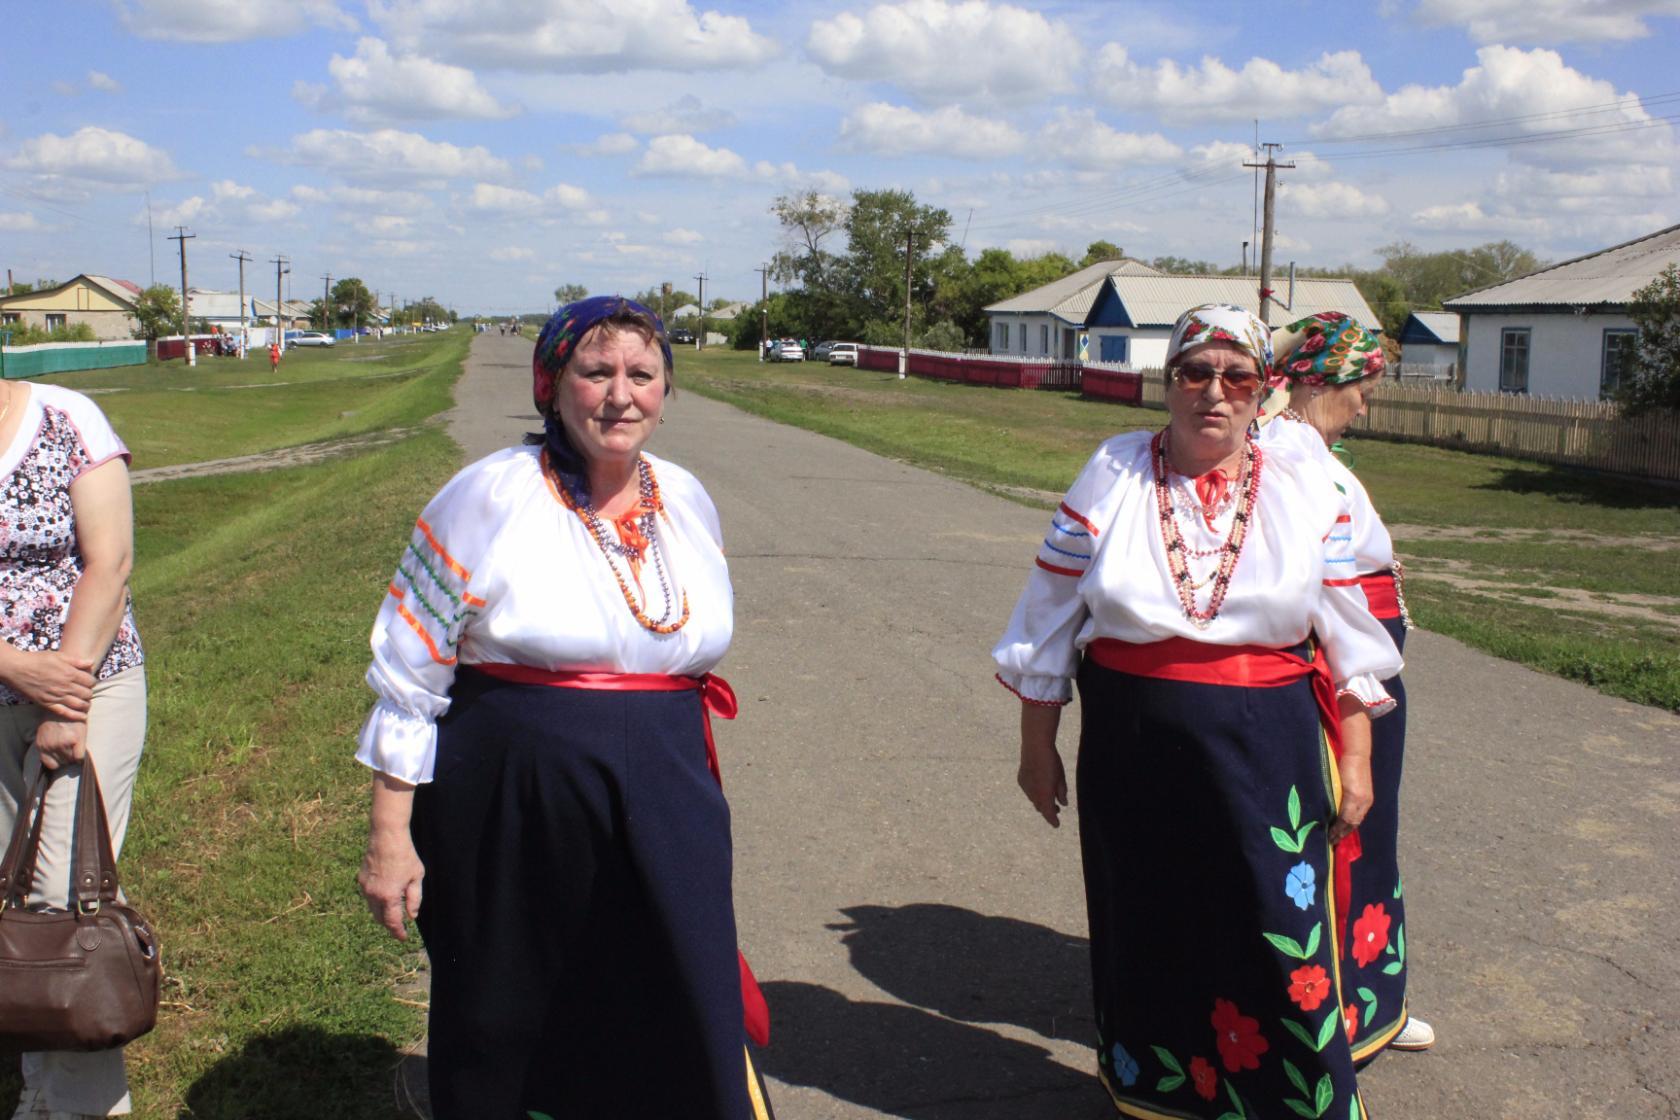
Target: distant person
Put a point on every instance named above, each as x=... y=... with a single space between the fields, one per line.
x=72 y=681
x=1192 y=582
x=544 y=762
x=273 y=357
x=1326 y=367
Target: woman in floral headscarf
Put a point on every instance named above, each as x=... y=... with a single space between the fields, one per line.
x=544 y=763
x=1327 y=366
x=1190 y=583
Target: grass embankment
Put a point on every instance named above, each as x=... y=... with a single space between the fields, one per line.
x=254 y=594
x=1561 y=570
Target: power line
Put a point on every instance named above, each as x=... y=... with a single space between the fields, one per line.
x=1604 y=107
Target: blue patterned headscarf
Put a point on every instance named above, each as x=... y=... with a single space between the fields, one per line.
x=555 y=346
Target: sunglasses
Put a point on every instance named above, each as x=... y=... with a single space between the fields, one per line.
x=1236 y=382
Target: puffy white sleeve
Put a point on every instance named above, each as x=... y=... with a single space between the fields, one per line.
x=1036 y=658
x=1360 y=653
x=432 y=599
x=100 y=442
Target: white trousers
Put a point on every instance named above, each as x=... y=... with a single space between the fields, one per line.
x=92 y=1083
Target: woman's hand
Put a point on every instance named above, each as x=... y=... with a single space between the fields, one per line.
x=1357 y=795
x=1041 y=776
x=1044 y=781
x=59 y=682
x=61 y=742
x=391 y=868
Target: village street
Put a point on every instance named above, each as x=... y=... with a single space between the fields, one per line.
x=919 y=931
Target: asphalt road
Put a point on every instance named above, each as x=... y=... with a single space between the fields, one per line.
x=920 y=932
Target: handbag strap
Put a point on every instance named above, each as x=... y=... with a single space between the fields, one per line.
x=17 y=870
x=96 y=866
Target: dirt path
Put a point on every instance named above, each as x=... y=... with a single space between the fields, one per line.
x=301 y=455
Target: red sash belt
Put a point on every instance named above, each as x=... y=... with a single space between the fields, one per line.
x=1380 y=593
x=716 y=699
x=1183 y=659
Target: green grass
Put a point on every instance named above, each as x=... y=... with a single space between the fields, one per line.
x=170 y=414
x=254 y=594
x=1036 y=441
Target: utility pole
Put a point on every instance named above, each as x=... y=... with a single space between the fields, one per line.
x=700 y=336
x=183 y=237
x=326 y=300
x=1271 y=165
x=764 y=308
x=244 y=331
x=909 y=265
x=280 y=270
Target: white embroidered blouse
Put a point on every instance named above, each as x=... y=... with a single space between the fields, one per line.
x=1373 y=550
x=1102 y=573
x=499 y=570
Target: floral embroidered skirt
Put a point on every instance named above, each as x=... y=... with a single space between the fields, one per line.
x=1202 y=818
x=1374 y=937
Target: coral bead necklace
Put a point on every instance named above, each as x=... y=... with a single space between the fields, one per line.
x=1248 y=488
x=638 y=534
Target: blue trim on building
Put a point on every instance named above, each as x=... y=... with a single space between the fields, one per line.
x=1107 y=310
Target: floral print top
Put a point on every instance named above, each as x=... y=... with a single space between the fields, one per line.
x=63 y=435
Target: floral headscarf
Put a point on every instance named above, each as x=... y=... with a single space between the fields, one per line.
x=566 y=327
x=1329 y=348
x=1222 y=322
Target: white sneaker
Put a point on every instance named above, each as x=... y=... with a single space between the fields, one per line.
x=1415 y=1035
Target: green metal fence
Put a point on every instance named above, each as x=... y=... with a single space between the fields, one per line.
x=64 y=357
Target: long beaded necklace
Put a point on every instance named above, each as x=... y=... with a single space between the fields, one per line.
x=1248 y=483
x=644 y=542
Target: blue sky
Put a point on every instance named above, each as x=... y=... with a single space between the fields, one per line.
x=484 y=151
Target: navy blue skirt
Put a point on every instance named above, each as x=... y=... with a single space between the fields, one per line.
x=1203 y=815
x=577 y=909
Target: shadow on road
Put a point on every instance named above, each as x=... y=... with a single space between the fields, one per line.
x=934 y=1060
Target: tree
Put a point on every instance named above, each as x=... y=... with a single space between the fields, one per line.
x=1652 y=379
x=571 y=293
x=873 y=271
x=429 y=310
x=157 y=312
x=1181 y=266
x=353 y=303
x=1098 y=251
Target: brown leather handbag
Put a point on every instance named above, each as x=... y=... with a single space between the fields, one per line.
x=86 y=978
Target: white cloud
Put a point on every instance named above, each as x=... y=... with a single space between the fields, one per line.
x=682 y=155
x=572 y=198
x=609 y=144
x=272 y=210
x=376 y=86
x=1023 y=247
x=388 y=225
x=390 y=155
x=575 y=36
x=680 y=236
x=64 y=88
x=94 y=153
x=363 y=199
x=1222 y=154
x=1469 y=217
x=1547 y=21
x=789 y=175
x=223 y=189
x=1084 y=141
x=182 y=213
x=950 y=50
x=103 y=82
x=229 y=21
x=896 y=130
x=1510 y=83
x=488 y=198
x=1212 y=91
x=1329 y=200
x=18 y=221
x=513 y=253
x=686 y=114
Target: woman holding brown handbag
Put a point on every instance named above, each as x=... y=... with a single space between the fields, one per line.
x=71 y=680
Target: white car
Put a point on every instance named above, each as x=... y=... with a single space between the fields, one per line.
x=787 y=350
x=843 y=354
x=312 y=338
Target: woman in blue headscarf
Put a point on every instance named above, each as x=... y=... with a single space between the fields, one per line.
x=544 y=764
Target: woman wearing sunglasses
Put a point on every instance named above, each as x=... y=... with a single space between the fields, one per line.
x=1195 y=587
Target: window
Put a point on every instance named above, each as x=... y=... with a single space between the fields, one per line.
x=56 y=322
x=1513 y=360
x=1619 y=347
x=1044 y=340
x=1003 y=337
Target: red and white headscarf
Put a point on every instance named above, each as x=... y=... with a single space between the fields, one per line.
x=1222 y=322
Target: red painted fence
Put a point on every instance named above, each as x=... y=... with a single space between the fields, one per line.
x=1010 y=373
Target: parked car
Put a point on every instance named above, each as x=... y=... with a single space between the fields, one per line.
x=682 y=336
x=819 y=352
x=787 y=350
x=843 y=354
x=312 y=338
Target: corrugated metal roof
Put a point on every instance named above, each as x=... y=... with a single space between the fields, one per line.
x=1609 y=276
x=1442 y=324
x=1158 y=301
x=1070 y=297
x=214 y=305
